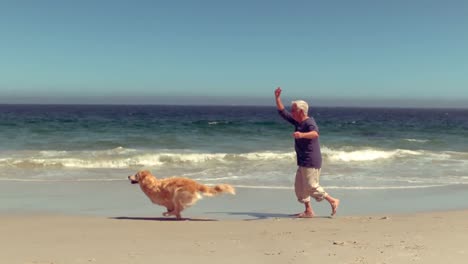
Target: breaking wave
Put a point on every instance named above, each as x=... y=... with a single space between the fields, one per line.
x=120 y=158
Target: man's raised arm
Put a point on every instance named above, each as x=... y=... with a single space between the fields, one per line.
x=279 y=104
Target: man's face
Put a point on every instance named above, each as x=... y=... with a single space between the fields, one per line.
x=296 y=113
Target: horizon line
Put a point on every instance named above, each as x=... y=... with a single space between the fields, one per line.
x=196 y=100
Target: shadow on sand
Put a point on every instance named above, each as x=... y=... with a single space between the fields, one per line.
x=252 y=216
x=261 y=216
x=160 y=219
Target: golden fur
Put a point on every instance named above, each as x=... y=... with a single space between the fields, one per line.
x=175 y=193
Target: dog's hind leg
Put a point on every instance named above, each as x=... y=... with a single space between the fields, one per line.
x=178 y=207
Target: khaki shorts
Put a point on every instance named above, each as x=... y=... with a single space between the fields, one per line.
x=307 y=185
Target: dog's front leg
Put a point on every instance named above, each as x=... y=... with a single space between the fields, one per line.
x=173 y=212
x=170 y=211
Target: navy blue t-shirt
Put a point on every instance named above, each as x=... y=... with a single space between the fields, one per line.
x=307 y=150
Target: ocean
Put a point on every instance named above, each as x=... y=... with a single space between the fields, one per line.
x=364 y=149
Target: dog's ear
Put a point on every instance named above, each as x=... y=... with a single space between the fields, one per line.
x=144 y=173
x=140 y=174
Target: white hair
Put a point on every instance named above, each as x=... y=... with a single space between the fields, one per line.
x=302 y=105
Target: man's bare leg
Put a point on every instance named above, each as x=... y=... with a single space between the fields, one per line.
x=334 y=203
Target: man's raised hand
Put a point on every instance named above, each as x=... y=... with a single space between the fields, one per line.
x=278 y=92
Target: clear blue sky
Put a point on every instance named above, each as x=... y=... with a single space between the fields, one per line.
x=148 y=51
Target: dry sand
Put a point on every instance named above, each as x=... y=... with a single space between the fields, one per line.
x=436 y=237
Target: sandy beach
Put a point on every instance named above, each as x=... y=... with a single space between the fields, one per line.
x=437 y=237
x=113 y=222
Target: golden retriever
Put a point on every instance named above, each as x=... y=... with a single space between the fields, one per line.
x=175 y=193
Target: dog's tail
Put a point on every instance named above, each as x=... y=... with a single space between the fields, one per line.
x=217 y=189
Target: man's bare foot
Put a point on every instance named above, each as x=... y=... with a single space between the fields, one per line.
x=305 y=215
x=334 y=206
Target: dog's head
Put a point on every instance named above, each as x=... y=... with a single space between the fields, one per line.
x=137 y=177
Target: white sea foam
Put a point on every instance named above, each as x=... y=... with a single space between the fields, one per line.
x=52 y=153
x=366 y=154
x=387 y=187
x=416 y=140
x=263 y=187
x=120 y=158
x=349 y=187
x=217 y=178
x=357 y=188
x=124 y=158
x=60 y=180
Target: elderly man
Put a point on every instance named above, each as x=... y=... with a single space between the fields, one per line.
x=309 y=157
